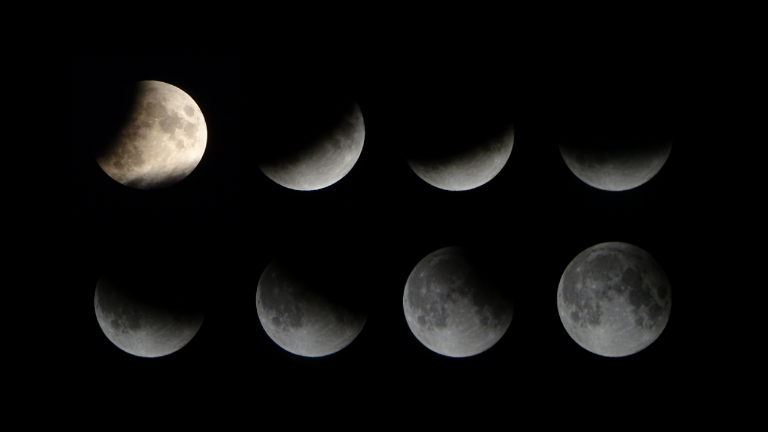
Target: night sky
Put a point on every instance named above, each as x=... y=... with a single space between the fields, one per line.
x=226 y=221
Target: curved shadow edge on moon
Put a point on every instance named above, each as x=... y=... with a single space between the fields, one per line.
x=160 y=143
x=451 y=309
x=324 y=163
x=614 y=299
x=139 y=328
x=300 y=320
x=615 y=172
x=469 y=169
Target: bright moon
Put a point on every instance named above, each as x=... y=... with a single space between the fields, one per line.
x=161 y=142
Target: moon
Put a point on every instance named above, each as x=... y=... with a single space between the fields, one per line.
x=297 y=315
x=469 y=168
x=160 y=143
x=616 y=166
x=324 y=145
x=451 y=307
x=614 y=299
x=143 y=317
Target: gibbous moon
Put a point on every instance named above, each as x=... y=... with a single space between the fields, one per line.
x=320 y=151
x=451 y=307
x=616 y=166
x=160 y=143
x=468 y=168
x=297 y=315
x=614 y=299
x=145 y=316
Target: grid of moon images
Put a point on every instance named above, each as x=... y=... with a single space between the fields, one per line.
x=342 y=224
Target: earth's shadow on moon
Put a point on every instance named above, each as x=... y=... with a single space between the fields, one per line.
x=300 y=117
x=334 y=275
x=622 y=132
x=444 y=127
x=493 y=267
x=109 y=106
x=169 y=277
x=153 y=287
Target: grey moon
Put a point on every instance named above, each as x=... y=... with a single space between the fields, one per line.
x=469 y=169
x=300 y=320
x=141 y=328
x=160 y=143
x=614 y=299
x=452 y=309
x=616 y=171
x=325 y=162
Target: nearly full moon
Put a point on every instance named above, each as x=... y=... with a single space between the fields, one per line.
x=614 y=299
x=160 y=143
x=299 y=316
x=452 y=307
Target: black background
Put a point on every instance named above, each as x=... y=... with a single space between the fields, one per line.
x=226 y=221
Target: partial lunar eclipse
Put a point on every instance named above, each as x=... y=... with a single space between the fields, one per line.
x=614 y=299
x=160 y=143
x=320 y=152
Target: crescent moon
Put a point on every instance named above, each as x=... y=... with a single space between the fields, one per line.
x=469 y=169
x=322 y=162
x=617 y=165
x=140 y=320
